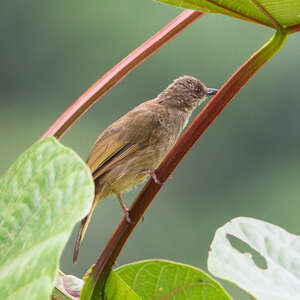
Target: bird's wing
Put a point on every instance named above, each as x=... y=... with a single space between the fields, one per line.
x=124 y=137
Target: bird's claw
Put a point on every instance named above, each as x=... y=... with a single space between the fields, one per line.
x=127 y=217
x=154 y=176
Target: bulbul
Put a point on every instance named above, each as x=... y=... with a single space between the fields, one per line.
x=131 y=148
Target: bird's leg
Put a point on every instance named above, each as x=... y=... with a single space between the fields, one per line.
x=124 y=208
x=153 y=175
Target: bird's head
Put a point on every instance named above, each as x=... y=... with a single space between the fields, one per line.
x=186 y=93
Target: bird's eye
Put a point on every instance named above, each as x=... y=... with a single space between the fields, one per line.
x=197 y=89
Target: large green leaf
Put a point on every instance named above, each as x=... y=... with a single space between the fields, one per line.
x=279 y=279
x=161 y=279
x=44 y=193
x=115 y=289
x=285 y=12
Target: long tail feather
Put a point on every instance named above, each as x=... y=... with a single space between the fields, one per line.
x=81 y=232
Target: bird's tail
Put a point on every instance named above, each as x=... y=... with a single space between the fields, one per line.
x=81 y=232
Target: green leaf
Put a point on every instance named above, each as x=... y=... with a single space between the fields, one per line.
x=115 y=289
x=44 y=193
x=279 y=249
x=285 y=12
x=161 y=279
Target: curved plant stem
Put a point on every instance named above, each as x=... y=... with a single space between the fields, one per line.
x=95 y=282
x=113 y=76
x=293 y=29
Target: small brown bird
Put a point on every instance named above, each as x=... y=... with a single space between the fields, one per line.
x=132 y=147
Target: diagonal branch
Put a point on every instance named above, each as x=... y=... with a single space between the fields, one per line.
x=113 y=76
x=95 y=282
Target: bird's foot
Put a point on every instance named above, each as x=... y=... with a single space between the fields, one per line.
x=153 y=175
x=127 y=217
x=125 y=210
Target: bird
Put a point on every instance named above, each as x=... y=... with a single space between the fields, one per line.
x=131 y=148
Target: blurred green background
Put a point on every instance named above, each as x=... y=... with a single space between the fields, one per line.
x=246 y=164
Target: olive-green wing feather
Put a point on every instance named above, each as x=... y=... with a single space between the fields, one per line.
x=122 y=138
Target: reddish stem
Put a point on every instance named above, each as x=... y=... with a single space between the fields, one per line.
x=96 y=281
x=112 y=77
x=294 y=28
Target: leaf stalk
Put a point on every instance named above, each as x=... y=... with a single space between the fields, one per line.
x=94 y=285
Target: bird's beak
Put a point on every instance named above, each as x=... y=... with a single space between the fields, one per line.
x=211 y=92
